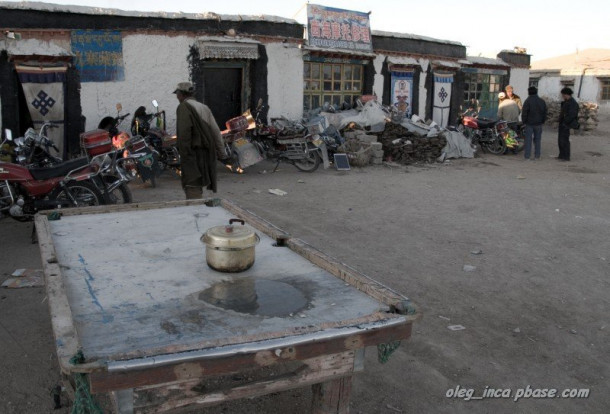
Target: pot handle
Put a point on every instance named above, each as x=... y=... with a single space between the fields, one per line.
x=237 y=221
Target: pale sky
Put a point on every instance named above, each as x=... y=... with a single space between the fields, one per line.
x=546 y=28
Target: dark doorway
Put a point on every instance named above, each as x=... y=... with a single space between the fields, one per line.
x=222 y=93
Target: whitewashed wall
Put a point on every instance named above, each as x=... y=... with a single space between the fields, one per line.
x=378 y=79
x=154 y=64
x=285 y=80
x=423 y=91
x=519 y=80
x=549 y=86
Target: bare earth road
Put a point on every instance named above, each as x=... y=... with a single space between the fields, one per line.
x=535 y=308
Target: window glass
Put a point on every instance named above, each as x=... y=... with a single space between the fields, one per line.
x=334 y=83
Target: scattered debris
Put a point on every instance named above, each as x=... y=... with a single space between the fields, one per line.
x=557 y=210
x=476 y=251
x=444 y=317
x=277 y=191
x=469 y=268
x=520 y=177
x=573 y=331
x=301 y=182
x=23 y=278
x=517 y=330
x=263 y=172
x=456 y=327
x=257 y=191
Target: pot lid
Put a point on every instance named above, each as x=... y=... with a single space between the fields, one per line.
x=230 y=236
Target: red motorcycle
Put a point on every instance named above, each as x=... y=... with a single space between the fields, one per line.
x=487 y=133
x=25 y=191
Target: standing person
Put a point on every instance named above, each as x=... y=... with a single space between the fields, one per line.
x=534 y=115
x=568 y=118
x=513 y=97
x=199 y=143
x=508 y=109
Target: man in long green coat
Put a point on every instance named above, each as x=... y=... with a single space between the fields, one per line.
x=199 y=143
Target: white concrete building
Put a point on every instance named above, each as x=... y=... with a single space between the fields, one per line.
x=587 y=73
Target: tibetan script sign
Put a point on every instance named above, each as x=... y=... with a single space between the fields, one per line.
x=331 y=28
x=99 y=55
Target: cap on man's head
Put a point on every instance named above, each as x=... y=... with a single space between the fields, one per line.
x=532 y=90
x=184 y=87
x=501 y=95
x=567 y=91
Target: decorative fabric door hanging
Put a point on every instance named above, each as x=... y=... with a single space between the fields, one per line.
x=402 y=91
x=442 y=98
x=43 y=87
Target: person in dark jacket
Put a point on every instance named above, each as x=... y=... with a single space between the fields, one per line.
x=199 y=143
x=534 y=116
x=568 y=118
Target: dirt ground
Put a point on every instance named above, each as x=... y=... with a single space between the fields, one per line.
x=535 y=308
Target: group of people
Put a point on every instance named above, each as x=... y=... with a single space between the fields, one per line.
x=533 y=114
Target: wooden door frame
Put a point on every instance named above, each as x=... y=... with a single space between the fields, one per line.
x=244 y=65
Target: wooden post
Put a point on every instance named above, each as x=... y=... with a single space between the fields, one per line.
x=332 y=397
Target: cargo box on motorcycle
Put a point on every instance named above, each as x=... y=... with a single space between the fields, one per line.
x=96 y=142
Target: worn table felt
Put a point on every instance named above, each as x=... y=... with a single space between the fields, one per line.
x=134 y=279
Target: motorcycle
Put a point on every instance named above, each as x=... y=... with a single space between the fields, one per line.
x=485 y=132
x=25 y=190
x=513 y=134
x=33 y=150
x=158 y=138
x=143 y=161
x=283 y=141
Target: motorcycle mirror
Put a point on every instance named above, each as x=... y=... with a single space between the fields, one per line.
x=8 y=134
x=119 y=107
x=155 y=103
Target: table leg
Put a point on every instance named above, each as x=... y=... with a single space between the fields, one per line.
x=332 y=397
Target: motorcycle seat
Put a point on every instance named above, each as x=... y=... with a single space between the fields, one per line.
x=485 y=123
x=58 y=170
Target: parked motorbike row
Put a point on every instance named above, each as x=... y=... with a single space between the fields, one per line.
x=248 y=141
x=39 y=181
x=34 y=179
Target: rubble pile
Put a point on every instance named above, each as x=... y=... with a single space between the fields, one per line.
x=587 y=116
x=358 y=152
x=405 y=147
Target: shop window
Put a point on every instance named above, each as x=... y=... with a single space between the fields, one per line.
x=485 y=89
x=338 y=84
x=605 y=89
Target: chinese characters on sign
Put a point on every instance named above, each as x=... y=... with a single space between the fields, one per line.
x=99 y=55
x=331 y=28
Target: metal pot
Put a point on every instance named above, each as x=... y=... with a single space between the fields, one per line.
x=230 y=248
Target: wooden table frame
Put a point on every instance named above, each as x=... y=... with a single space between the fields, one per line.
x=327 y=362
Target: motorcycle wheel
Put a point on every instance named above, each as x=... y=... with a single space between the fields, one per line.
x=120 y=195
x=85 y=193
x=497 y=146
x=309 y=164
